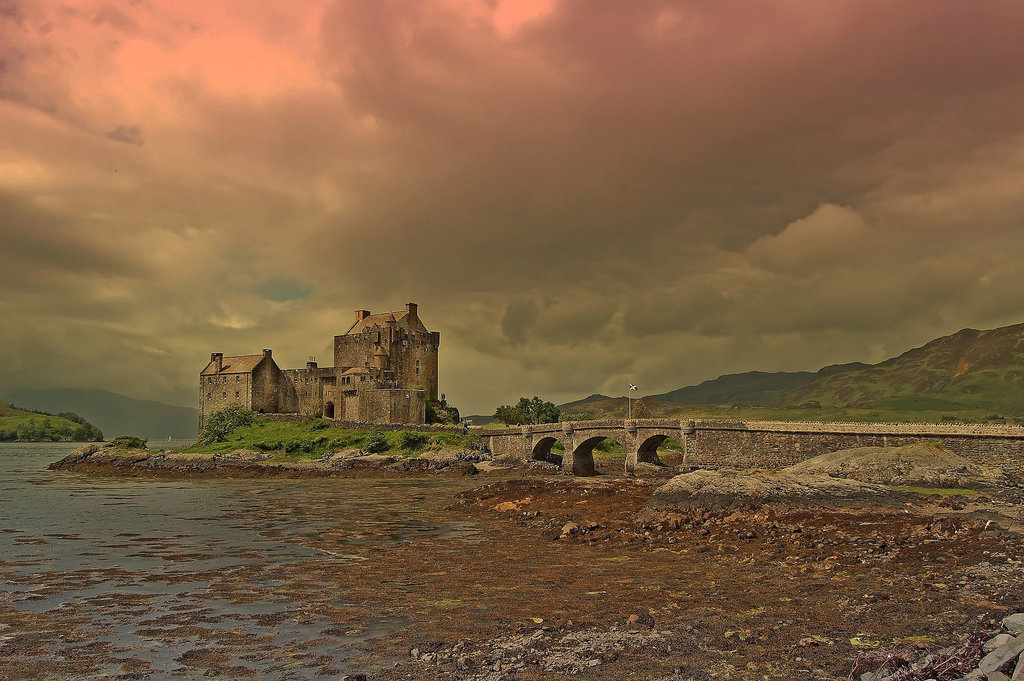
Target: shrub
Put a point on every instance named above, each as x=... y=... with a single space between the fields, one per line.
x=375 y=442
x=409 y=439
x=129 y=442
x=222 y=423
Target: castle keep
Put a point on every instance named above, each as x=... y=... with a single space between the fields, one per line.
x=385 y=370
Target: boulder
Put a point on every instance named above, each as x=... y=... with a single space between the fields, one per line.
x=729 y=489
x=1014 y=623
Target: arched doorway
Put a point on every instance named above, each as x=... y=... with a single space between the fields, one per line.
x=329 y=410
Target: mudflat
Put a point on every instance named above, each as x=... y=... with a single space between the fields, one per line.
x=590 y=577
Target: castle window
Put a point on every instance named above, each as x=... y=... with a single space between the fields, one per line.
x=237 y=379
x=223 y=379
x=236 y=393
x=225 y=393
x=417 y=367
x=209 y=395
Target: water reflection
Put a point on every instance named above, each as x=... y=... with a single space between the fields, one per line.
x=156 y=577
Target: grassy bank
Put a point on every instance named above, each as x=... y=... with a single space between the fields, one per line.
x=315 y=437
x=19 y=425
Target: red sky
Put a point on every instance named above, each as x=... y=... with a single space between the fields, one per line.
x=577 y=193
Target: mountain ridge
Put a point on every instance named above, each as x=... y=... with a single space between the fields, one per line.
x=967 y=375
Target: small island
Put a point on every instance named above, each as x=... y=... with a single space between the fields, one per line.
x=237 y=442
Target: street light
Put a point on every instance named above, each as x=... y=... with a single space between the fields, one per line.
x=629 y=401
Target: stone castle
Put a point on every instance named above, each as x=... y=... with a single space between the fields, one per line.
x=385 y=371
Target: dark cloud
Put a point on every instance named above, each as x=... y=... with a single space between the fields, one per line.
x=651 y=190
x=283 y=290
x=131 y=134
x=518 y=320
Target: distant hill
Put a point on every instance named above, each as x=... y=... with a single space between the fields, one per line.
x=574 y=406
x=970 y=369
x=970 y=375
x=112 y=413
x=19 y=425
x=752 y=387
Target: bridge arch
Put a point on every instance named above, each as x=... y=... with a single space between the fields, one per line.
x=647 y=452
x=542 y=450
x=583 y=455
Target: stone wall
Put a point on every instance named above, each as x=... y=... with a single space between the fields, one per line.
x=777 y=444
x=366 y=425
x=393 y=406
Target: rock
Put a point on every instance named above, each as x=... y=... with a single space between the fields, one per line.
x=414 y=653
x=1014 y=623
x=997 y=641
x=728 y=489
x=1018 y=674
x=353 y=677
x=1000 y=658
x=997 y=676
x=642 y=620
x=976 y=675
x=915 y=464
x=570 y=529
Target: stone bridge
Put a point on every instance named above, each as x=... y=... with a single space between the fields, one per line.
x=639 y=437
x=751 y=444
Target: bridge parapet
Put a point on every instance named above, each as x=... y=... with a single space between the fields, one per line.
x=777 y=444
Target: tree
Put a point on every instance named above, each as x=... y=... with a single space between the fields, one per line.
x=641 y=410
x=221 y=423
x=527 y=412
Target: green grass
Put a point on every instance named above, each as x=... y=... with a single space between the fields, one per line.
x=941 y=491
x=29 y=427
x=291 y=441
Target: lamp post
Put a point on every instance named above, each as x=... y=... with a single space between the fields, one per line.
x=629 y=401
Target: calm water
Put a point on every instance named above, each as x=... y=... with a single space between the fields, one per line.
x=159 y=577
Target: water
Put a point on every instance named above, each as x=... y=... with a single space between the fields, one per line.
x=164 y=578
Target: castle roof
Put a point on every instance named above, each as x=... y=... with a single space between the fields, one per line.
x=355 y=371
x=239 y=364
x=380 y=320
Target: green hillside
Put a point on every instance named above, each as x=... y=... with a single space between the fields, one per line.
x=971 y=376
x=752 y=387
x=969 y=372
x=19 y=425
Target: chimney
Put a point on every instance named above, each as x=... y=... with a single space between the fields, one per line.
x=362 y=314
x=266 y=353
x=414 y=318
x=218 y=359
x=311 y=364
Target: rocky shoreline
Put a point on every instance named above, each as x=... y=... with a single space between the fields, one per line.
x=712 y=575
x=108 y=459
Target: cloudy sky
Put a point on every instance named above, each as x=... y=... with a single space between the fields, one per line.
x=577 y=193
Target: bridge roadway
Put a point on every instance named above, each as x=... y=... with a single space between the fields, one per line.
x=640 y=438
